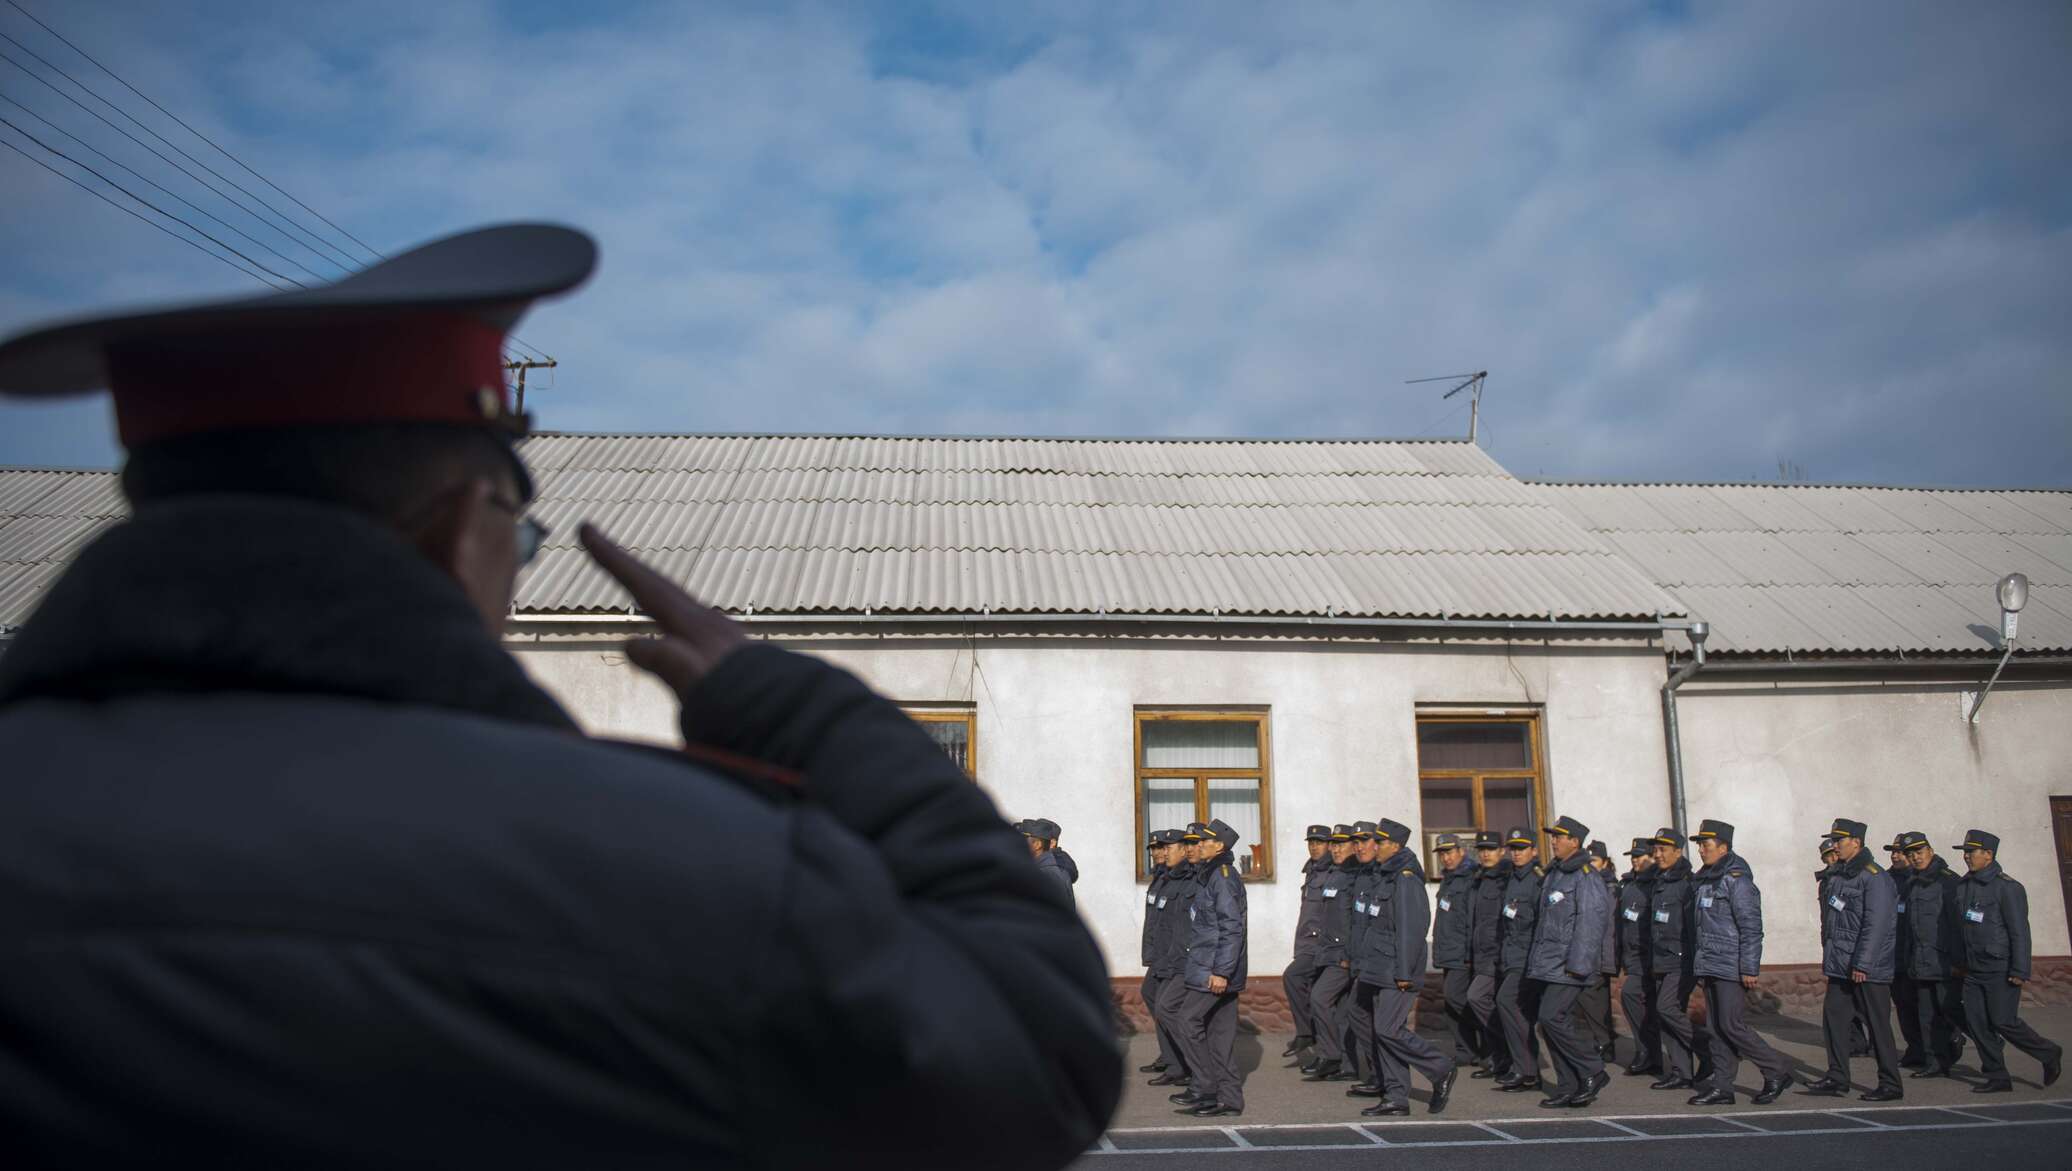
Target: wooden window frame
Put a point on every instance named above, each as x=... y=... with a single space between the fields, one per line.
x=1475 y=777
x=1202 y=776
x=967 y=716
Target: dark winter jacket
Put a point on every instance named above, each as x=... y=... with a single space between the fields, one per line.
x=1859 y=918
x=1393 y=947
x=1934 y=918
x=1729 y=921
x=1452 y=921
x=1337 y=925
x=1309 y=919
x=1635 y=922
x=1995 y=910
x=1216 y=941
x=301 y=869
x=1066 y=864
x=1608 y=964
x=1366 y=875
x=1151 y=889
x=1575 y=913
x=1486 y=922
x=1673 y=919
x=1047 y=865
x=1175 y=920
x=1520 y=911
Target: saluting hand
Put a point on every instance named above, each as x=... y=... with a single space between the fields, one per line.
x=695 y=637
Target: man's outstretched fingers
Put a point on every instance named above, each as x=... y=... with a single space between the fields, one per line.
x=660 y=598
x=669 y=659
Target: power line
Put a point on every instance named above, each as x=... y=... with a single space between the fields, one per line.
x=377 y=253
x=147 y=203
x=131 y=212
x=173 y=194
x=347 y=264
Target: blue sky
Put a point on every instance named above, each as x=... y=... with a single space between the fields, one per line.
x=1688 y=240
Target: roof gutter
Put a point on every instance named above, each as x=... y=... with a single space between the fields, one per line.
x=1671 y=735
x=1639 y=626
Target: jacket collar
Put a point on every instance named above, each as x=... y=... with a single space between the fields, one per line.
x=1936 y=868
x=1854 y=866
x=1991 y=872
x=257 y=593
x=1576 y=861
x=1682 y=869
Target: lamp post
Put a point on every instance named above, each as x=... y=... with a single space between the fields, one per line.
x=2013 y=594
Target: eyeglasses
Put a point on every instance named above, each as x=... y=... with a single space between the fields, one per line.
x=531 y=533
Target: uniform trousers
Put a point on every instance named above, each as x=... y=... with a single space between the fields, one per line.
x=1686 y=1050
x=1518 y=1011
x=1360 y=1020
x=1992 y=1014
x=1329 y=1014
x=1637 y=1001
x=1297 y=980
x=1468 y=1042
x=1482 y=1003
x=1172 y=997
x=1726 y=1013
x=1938 y=1017
x=1568 y=1041
x=1208 y=1031
x=1397 y=1047
x=1595 y=1005
x=1148 y=990
x=1906 y=1003
x=1872 y=1002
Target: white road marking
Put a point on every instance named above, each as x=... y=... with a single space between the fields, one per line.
x=1509 y=1138
x=1232 y=1134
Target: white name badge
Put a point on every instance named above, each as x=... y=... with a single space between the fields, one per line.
x=1360 y=907
x=1555 y=896
x=1510 y=912
x=1902 y=908
x=1661 y=916
x=1190 y=913
x=1446 y=904
x=1161 y=904
x=1705 y=900
x=1373 y=910
x=1632 y=915
x=1149 y=898
x=1330 y=892
x=1975 y=915
x=1836 y=902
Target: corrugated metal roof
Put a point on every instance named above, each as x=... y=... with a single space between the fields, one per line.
x=1810 y=569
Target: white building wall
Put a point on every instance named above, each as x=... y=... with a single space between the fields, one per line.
x=1055 y=735
x=1781 y=761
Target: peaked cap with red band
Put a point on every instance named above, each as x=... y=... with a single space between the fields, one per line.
x=417 y=338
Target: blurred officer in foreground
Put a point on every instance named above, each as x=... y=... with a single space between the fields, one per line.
x=1215 y=975
x=303 y=870
x=1164 y=847
x=1169 y=951
x=1858 y=933
x=1517 y=998
x=1729 y=961
x=1451 y=946
x=1996 y=955
x=1672 y=964
x=1391 y=961
x=1934 y=959
x=1486 y=949
x=1301 y=975
x=1635 y=906
x=1567 y=952
x=1327 y=1005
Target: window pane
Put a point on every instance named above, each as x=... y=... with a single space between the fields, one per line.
x=1446 y=744
x=953 y=737
x=1237 y=803
x=1449 y=804
x=1168 y=803
x=1509 y=802
x=1201 y=743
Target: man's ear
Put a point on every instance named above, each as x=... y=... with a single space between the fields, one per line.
x=448 y=538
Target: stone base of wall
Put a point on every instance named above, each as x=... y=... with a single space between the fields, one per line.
x=1788 y=989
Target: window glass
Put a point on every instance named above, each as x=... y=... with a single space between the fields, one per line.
x=1201 y=743
x=1449 y=803
x=1456 y=745
x=1237 y=803
x=1509 y=802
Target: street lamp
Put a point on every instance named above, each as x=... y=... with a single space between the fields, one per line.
x=2013 y=594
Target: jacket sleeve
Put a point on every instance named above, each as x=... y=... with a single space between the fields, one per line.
x=1058 y=877
x=1952 y=938
x=1413 y=914
x=1586 y=946
x=2014 y=912
x=1230 y=925
x=1880 y=921
x=912 y=937
x=1745 y=903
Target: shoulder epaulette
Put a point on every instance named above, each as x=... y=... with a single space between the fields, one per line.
x=1873 y=868
x=1226 y=870
x=1733 y=874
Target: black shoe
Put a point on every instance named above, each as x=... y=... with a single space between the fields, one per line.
x=1881 y=1094
x=1442 y=1090
x=1154 y=1067
x=1672 y=1082
x=1931 y=1071
x=1345 y=1075
x=1384 y=1109
x=1364 y=1090
x=1515 y=1084
x=1608 y=1052
x=1213 y=1109
x=1642 y=1070
x=1912 y=1061
x=1558 y=1101
x=1485 y=1074
x=1592 y=1086
x=1711 y=1098
x=1828 y=1087
x=1324 y=1072
x=1168 y=1079
x=1312 y=1065
x=1186 y=1098
x=1772 y=1090
x=2053 y=1067
x=1993 y=1088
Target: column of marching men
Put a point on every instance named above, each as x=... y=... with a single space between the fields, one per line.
x=1528 y=949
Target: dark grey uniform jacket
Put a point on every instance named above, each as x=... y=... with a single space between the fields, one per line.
x=1520 y=912
x=1309 y=919
x=1175 y=920
x=1151 y=891
x=1729 y=921
x=1053 y=871
x=1636 y=920
x=1995 y=913
x=1337 y=925
x=299 y=869
x=1673 y=919
x=1575 y=912
x=1935 y=922
x=1451 y=919
x=1216 y=941
x=1859 y=920
x=1392 y=948
x=1486 y=921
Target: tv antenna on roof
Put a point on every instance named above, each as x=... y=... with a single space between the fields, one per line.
x=1472 y=383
